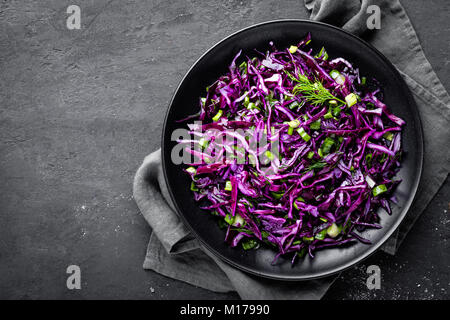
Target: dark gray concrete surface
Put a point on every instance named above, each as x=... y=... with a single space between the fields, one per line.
x=79 y=110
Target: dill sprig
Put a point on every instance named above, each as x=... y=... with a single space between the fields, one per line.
x=313 y=91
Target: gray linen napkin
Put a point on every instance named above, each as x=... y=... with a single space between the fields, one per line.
x=173 y=252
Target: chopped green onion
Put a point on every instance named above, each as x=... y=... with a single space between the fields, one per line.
x=308 y=239
x=315 y=125
x=293 y=105
x=336 y=111
x=323 y=219
x=310 y=155
x=305 y=136
x=322 y=54
x=334 y=74
x=203 y=143
x=337 y=76
x=246 y=101
x=251 y=106
x=269 y=155
x=333 y=112
x=351 y=99
x=328 y=115
x=238 y=221
x=340 y=79
x=363 y=81
x=388 y=136
x=294 y=123
x=191 y=170
x=295 y=202
x=327 y=144
x=379 y=190
x=333 y=230
x=277 y=195
x=193 y=186
x=320 y=153
x=332 y=102
x=321 y=234
x=218 y=115
x=305 y=117
x=293 y=49
x=249 y=244
x=228 y=186
x=290 y=131
x=229 y=218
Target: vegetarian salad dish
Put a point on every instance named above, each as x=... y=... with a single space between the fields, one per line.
x=338 y=150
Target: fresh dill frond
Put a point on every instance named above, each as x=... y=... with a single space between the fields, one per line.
x=314 y=92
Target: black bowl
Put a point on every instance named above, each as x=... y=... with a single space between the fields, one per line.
x=338 y=44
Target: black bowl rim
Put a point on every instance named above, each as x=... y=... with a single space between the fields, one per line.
x=387 y=234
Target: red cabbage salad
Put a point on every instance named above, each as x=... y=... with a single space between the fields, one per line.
x=333 y=149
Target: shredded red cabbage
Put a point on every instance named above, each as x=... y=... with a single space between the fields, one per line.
x=339 y=150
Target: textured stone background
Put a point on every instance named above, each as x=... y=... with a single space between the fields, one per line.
x=80 y=109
